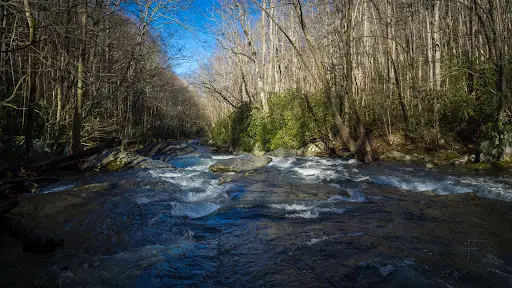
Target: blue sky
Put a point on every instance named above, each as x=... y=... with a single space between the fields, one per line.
x=197 y=40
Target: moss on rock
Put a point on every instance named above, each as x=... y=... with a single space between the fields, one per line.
x=479 y=166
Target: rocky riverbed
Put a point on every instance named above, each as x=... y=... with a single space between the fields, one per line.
x=298 y=221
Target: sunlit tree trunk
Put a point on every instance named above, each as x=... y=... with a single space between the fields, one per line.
x=76 y=145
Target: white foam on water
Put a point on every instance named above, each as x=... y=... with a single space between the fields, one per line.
x=488 y=187
x=360 y=178
x=193 y=210
x=185 y=179
x=282 y=163
x=211 y=192
x=202 y=165
x=291 y=207
x=315 y=174
x=309 y=214
x=194 y=185
x=316 y=240
x=223 y=157
x=417 y=185
x=326 y=162
x=356 y=196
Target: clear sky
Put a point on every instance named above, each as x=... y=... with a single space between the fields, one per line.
x=196 y=40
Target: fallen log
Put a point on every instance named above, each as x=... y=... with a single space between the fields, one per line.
x=69 y=162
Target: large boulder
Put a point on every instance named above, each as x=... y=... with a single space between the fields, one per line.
x=315 y=149
x=284 y=153
x=258 y=150
x=115 y=159
x=241 y=164
x=490 y=153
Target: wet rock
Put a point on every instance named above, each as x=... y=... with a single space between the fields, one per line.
x=429 y=193
x=479 y=166
x=284 y=153
x=243 y=164
x=465 y=159
x=115 y=160
x=397 y=156
x=258 y=150
x=241 y=153
x=315 y=149
x=224 y=180
x=505 y=165
x=93 y=187
x=32 y=239
x=491 y=153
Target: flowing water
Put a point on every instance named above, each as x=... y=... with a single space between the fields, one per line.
x=298 y=222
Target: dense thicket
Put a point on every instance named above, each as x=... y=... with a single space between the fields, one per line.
x=78 y=71
x=429 y=71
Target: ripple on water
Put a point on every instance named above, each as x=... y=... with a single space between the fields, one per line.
x=325 y=238
x=355 y=195
x=58 y=188
x=193 y=210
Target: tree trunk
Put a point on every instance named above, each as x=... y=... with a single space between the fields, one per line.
x=31 y=83
x=76 y=145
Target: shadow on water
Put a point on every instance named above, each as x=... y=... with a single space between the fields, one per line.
x=297 y=222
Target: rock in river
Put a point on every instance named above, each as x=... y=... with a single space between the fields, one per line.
x=114 y=160
x=284 y=153
x=242 y=164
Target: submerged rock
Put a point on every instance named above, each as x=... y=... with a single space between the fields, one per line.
x=243 y=164
x=288 y=193
x=284 y=153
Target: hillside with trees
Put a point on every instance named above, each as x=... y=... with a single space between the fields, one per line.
x=76 y=72
x=358 y=74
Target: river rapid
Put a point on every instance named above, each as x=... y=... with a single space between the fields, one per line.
x=299 y=222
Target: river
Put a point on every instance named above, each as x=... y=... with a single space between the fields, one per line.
x=299 y=222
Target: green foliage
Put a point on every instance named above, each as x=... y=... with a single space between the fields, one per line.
x=241 y=133
x=496 y=137
x=221 y=131
x=287 y=125
x=466 y=113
